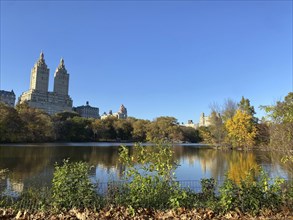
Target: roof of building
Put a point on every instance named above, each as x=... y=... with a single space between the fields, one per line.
x=7 y=92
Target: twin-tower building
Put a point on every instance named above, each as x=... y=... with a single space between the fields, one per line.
x=57 y=101
x=38 y=95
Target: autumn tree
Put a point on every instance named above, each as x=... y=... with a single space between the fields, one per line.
x=62 y=123
x=37 y=124
x=63 y=116
x=263 y=133
x=281 y=123
x=216 y=132
x=10 y=124
x=205 y=135
x=190 y=134
x=79 y=129
x=123 y=129
x=139 y=132
x=164 y=128
x=97 y=128
x=217 y=129
x=70 y=126
x=104 y=129
x=228 y=110
x=282 y=111
x=241 y=131
x=244 y=105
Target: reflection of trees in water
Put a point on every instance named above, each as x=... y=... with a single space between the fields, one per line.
x=28 y=166
x=274 y=161
x=211 y=160
x=107 y=158
x=234 y=163
x=36 y=164
x=216 y=160
x=241 y=165
x=24 y=162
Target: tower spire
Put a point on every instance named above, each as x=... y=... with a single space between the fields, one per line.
x=40 y=75
x=61 y=79
x=41 y=55
x=61 y=64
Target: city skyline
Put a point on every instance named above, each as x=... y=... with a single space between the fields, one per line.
x=157 y=58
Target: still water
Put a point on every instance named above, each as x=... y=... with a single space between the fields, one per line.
x=33 y=165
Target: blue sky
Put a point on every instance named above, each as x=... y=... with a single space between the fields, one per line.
x=158 y=58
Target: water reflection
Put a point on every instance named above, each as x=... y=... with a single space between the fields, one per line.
x=34 y=165
x=241 y=166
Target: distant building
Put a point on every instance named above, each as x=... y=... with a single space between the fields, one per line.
x=7 y=97
x=87 y=111
x=204 y=120
x=190 y=124
x=38 y=95
x=105 y=115
x=121 y=114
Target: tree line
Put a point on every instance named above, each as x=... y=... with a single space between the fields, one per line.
x=235 y=125
x=26 y=124
x=232 y=125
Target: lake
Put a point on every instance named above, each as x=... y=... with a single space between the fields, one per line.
x=32 y=165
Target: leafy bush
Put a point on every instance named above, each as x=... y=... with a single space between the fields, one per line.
x=150 y=177
x=208 y=195
x=72 y=186
x=229 y=195
x=289 y=195
x=205 y=199
x=208 y=187
x=252 y=195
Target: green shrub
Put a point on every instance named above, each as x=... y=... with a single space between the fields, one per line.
x=149 y=177
x=71 y=186
x=208 y=197
x=208 y=187
x=289 y=194
x=274 y=196
x=189 y=199
x=229 y=195
x=261 y=194
x=252 y=195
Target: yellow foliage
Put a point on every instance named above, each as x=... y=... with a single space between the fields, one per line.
x=241 y=130
x=240 y=169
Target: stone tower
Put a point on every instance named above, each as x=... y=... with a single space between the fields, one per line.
x=40 y=75
x=123 y=110
x=38 y=95
x=204 y=120
x=122 y=113
x=61 y=79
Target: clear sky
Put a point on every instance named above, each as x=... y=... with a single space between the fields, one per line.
x=158 y=58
